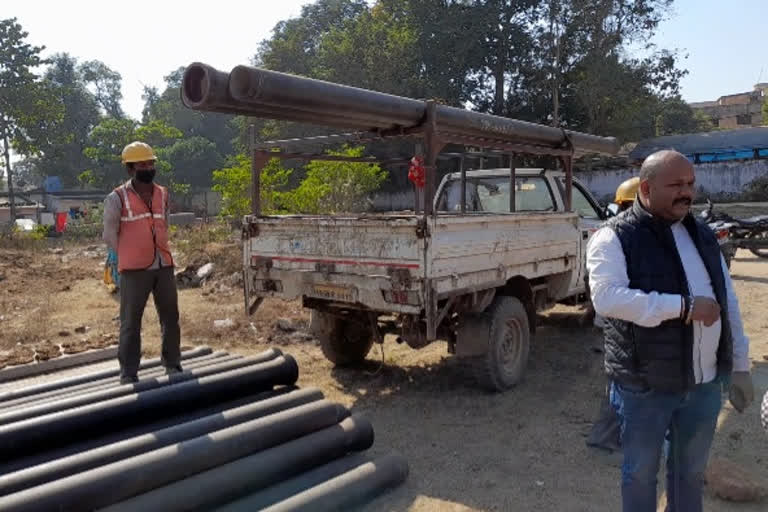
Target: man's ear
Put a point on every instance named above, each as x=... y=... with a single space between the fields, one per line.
x=645 y=188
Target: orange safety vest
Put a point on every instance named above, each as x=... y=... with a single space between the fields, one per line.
x=143 y=233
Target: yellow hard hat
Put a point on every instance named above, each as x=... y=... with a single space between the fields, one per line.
x=138 y=152
x=627 y=191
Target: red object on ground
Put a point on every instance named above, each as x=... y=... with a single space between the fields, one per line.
x=61 y=221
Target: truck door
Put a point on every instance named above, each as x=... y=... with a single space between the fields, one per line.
x=590 y=219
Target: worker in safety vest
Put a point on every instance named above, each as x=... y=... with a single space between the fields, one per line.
x=605 y=430
x=136 y=228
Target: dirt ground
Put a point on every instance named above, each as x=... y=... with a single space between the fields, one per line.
x=468 y=450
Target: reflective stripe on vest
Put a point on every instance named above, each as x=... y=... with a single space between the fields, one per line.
x=143 y=234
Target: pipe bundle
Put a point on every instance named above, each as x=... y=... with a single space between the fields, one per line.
x=229 y=432
x=269 y=94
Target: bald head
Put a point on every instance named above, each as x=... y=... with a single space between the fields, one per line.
x=660 y=161
x=667 y=182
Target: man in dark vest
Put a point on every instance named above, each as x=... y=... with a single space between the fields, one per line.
x=674 y=339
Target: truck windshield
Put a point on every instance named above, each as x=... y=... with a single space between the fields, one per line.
x=532 y=193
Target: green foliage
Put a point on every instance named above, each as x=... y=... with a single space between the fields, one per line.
x=26 y=105
x=234 y=185
x=336 y=187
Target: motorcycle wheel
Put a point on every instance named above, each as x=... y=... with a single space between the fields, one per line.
x=760 y=253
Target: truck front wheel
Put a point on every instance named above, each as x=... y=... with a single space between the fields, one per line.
x=344 y=342
x=504 y=363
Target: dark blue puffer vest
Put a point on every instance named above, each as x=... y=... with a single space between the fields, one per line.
x=661 y=357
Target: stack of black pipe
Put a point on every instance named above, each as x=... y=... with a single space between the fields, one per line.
x=269 y=94
x=230 y=433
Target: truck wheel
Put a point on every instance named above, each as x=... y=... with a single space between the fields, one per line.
x=508 y=345
x=343 y=342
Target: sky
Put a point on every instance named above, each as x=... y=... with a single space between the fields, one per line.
x=144 y=40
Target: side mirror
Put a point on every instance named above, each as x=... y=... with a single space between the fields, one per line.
x=611 y=210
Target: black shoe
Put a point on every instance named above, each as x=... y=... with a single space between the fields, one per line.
x=129 y=379
x=173 y=370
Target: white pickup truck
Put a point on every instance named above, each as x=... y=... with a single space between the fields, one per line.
x=475 y=278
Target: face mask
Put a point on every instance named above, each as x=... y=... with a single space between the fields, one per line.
x=145 y=176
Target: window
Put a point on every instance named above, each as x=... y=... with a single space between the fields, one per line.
x=492 y=195
x=581 y=204
x=579 y=201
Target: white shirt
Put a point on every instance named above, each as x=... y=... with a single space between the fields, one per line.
x=612 y=298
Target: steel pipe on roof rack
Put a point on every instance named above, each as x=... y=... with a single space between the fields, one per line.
x=39 y=433
x=78 y=462
x=206 y=88
x=126 y=478
x=270 y=89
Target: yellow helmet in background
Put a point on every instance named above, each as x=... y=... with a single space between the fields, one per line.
x=627 y=191
x=138 y=152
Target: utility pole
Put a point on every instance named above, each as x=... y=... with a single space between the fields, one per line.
x=7 y=155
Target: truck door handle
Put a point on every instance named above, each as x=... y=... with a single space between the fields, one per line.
x=585 y=235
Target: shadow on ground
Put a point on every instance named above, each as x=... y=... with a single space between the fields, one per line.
x=519 y=450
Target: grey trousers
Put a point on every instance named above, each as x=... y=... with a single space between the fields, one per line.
x=135 y=287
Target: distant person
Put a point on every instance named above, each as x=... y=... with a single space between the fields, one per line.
x=136 y=229
x=673 y=335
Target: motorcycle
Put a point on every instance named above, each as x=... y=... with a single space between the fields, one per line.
x=750 y=233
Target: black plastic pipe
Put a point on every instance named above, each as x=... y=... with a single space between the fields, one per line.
x=84 y=461
x=220 y=485
x=351 y=489
x=101 y=395
x=299 y=483
x=58 y=394
x=123 y=479
x=115 y=435
x=42 y=432
x=206 y=88
x=263 y=88
x=79 y=379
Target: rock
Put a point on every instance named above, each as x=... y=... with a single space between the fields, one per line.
x=286 y=325
x=227 y=323
x=57 y=250
x=235 y=280
x=301 y=337
x=81 y=330
x=66 y=288
x=765 y=357
x=64 y=334
x=205 y=271
x=731 y=482
x=2 y=276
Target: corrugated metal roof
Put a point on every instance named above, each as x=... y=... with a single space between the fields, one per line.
x=726 y=141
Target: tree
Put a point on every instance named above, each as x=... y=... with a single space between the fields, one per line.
x=192 y=161
x=106 y=85
x=234 y=185
x=62 y=153
x=336 y=187
x=25 y=106
x=107 y=141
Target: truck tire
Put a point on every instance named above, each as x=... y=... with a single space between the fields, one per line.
x=509 y=339
x=343 y=342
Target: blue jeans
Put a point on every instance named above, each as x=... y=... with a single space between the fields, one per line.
x=687 y=421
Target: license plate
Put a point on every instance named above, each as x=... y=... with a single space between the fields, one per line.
x=332 y=292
